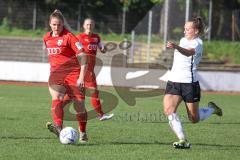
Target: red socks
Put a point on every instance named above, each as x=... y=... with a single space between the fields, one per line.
x=57 y=112
x=82 y=121
x=95 y=101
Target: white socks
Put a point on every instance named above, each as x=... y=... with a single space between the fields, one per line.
x=176 y=125
x=204 y=113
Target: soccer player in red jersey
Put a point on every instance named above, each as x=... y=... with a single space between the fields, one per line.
x=67 y=70
x=91 y=42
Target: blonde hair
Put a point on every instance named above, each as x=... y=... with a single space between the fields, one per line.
x=89 y=19
x=56 y=14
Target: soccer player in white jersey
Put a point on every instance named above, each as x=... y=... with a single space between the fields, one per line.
x=183 y=84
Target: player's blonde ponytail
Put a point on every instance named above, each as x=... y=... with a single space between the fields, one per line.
x=57 y=14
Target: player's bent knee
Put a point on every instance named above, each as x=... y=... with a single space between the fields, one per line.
x=168 y=111
x=57 y=97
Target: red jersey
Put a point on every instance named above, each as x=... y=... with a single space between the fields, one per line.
x=90 y=44
x=62 y=51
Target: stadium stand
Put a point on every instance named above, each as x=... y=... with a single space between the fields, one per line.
x=31 y=50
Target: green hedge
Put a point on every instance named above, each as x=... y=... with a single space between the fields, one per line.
x=226 y=51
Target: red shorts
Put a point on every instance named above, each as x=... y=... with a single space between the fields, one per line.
x=69 y=81
x=90 y=80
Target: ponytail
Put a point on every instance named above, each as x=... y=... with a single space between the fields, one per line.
x=198 y=24
x=57 y=14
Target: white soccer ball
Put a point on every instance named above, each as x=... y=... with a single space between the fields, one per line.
x=68 y=135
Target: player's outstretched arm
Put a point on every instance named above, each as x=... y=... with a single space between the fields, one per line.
x=184 y=51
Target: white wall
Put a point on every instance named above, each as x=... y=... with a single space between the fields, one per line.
x=220 y=81
x=128 y=77
x=24 y=71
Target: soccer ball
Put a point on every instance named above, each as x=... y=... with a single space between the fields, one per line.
x=68 y=135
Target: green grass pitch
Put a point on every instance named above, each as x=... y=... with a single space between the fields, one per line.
x=136 y=132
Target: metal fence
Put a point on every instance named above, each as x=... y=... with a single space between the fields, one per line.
x=33 y=14
x=148 y=36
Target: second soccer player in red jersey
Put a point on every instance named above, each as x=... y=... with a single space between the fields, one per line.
x=91 y=43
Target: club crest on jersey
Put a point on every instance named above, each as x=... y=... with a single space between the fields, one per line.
x=86 y=40
x=95 y=39
x=59 y=42
x=78 y=45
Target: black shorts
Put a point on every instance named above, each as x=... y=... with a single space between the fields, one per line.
x=190 y=92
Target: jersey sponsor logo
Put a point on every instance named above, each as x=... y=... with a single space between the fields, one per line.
x=91 y=47
x=52 y=51
x=78 y=45
x=59 y=42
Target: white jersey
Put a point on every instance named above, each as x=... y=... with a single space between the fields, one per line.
x=184 y=68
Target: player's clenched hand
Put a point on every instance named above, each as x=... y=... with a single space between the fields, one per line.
x=80 y=83
x=103 y=50
x=170 y=44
